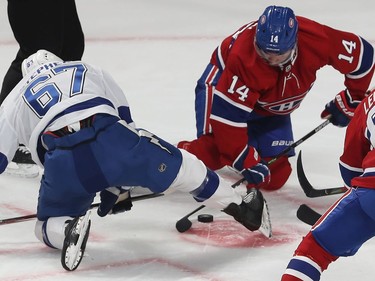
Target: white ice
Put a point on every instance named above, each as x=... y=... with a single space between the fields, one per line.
x=156 y=50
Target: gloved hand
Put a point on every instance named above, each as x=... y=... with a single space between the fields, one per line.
x=341 y=109
x=254 y=170
x=114 y=200
x=257 y=175
x=3 y=162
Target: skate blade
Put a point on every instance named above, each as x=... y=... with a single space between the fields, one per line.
x=73 y=253
x=266 y=227
x=22 y=170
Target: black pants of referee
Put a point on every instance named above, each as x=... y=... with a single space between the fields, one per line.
x=52 y=25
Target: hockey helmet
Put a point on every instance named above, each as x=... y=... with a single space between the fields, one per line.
x=37 y=59
x=277 y=30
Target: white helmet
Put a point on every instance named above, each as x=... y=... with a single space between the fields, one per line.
x=35 y=60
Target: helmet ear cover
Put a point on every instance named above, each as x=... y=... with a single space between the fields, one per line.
x=276 y=30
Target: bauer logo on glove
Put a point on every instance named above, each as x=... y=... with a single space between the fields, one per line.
x=341 y=109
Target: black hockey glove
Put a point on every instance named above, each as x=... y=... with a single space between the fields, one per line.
x=114 y=200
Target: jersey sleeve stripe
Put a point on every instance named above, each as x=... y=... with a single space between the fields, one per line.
x=228 y=122
x=366 y=61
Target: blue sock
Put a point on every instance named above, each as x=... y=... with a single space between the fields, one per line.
x=303 y=268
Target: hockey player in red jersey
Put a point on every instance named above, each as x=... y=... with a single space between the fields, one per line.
x=257 y=77
x=350 y=222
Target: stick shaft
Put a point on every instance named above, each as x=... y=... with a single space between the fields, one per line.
x=94 y=205
x=298 y=142
x=278 y=156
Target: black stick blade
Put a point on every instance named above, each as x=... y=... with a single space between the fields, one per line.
x=183 y=225
x=307 y=215
x=308 y=189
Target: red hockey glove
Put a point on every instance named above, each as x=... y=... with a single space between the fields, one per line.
x=341 y=109
x=254 y=170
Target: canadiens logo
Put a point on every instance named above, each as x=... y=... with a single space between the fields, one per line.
x=291 y=22
x=262 y=19
x=283 y=107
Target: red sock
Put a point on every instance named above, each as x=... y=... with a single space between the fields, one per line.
x=308 y=262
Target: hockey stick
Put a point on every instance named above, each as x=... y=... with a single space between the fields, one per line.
x=94 y=205
x=309 y=190
x=307 y=215
x=184 y=223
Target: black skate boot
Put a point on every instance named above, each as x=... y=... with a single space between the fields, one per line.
x=22 y=164
x=252 y=212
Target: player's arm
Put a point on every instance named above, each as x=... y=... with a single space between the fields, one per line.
x=353 y=56
x=232 y=105
x=359 y=137
x=3 y=162
x=9 y=141
x=206 y=85
x=365 y=144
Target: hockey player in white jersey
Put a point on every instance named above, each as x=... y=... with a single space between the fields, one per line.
x=76 y=121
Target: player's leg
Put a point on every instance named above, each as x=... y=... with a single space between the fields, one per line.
x=73 y=43
x=42 y=36
x=64 y=37
x=353 y=215
x=205 y=149
x=151 y=162
x=63 y=191
x=138 y=157
x=280 y=172
x=63 y=206
x=119 y=155
x=69 y=234
x=341 y=232
x=270 y=136
x=206 y=186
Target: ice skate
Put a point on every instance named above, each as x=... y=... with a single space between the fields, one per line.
x=22 y=164
x=76 y=235
x=252 y=212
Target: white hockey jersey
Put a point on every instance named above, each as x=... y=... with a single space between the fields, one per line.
x=52 y=97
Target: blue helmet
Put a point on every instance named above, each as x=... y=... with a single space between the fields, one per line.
x=277 y=30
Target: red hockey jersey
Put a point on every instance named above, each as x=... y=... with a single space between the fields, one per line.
x=357 y=164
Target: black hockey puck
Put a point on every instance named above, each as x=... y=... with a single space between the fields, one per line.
x=205 y=218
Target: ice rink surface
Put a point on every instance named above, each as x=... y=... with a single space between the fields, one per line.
x=156 y=51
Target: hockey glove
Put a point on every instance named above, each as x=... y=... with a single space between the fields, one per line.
x=114 y=200
x=341 y=109
x=3 y=162
x=257 y=175
x=254 y=170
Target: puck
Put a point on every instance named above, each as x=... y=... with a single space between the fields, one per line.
x=205 y=218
